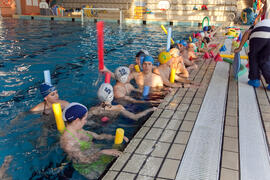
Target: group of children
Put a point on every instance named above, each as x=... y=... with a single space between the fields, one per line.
x=89 y=159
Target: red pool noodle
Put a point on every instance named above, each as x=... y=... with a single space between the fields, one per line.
x=107 y=77
x=100 y=42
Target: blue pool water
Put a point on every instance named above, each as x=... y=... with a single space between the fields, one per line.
x=69 y=51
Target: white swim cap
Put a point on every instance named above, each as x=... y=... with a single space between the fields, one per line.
x=105 y=93
x=202 y=34
x=145 y=52
x=122 y=73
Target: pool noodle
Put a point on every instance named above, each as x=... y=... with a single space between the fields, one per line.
x=165 y=30
x=107 y=77
x=232 y=56
x=168 y=39
x=119 y=136
x=47 y=77
x=137 y=68
x=146 y=90
x=172 y=76
x=58 y=117
x=100 y=42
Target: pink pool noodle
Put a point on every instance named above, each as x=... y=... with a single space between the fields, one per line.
x=100 y=42
x=107 y=77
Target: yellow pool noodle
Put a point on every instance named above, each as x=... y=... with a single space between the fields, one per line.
x=231 y=56
x=190 y=39
x=58 y=117
x=165 y=30
x=137 y=68
x=172 y=76
x=119 y=136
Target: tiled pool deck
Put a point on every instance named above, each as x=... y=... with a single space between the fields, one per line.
x=158 y=149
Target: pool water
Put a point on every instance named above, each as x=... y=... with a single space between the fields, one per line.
x=69 y=51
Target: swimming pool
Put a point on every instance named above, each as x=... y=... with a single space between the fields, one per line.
x=68 y=50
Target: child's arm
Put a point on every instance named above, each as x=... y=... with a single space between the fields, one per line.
x=138 y=115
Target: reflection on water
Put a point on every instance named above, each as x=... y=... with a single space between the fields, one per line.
x=69 y=51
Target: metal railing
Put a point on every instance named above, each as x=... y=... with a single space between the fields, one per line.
x=108 y=9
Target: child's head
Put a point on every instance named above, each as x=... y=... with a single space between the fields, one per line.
x=174 y=52
x=148 y=62
x=206 y=39
x=48 y=92
x=121 y=74
x=105 y=93
x=75 y=114
x=140 y=56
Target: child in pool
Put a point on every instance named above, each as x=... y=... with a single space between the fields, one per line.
x=139 y=60
x=123 y=88
x=50 y=96
x=106 y=95
x=87 y=158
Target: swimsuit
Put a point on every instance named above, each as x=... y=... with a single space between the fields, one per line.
x=91 y=170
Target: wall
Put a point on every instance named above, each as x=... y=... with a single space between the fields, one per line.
x=7 y=8
x=30 y=7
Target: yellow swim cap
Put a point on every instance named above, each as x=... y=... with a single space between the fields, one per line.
x=164 y=57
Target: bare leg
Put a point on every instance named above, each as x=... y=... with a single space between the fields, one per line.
x=5 y=166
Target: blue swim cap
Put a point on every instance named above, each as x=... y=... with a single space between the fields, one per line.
x=141 y=59
x=205 y=28
x=183 y=42
x=46 y=89
x=194 y=40
x=74 y=111
x=148 y=59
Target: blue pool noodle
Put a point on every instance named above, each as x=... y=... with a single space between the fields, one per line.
x=169 y=39
x=146 y=90
x=47 y=77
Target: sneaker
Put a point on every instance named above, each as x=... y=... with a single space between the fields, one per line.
x=255 y=83
x=268 y=87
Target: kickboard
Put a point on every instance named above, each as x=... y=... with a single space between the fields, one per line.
x=236 y=65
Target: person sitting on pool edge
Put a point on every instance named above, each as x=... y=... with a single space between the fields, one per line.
x=164 y=70
x=182 y=47
x=50 y=96
x=147 y=77
x=106 y=95
x=87 y=157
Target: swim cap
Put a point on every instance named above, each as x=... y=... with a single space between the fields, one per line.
x=145 y=52
x=105 y=92
x=148 y=59
x=183 y=42
x=122 y=73
x=46 y=89
x=174 y=52
x=74 y=111
x=164 y=57
x=197 y=35
x=142 y=53
x=205 y=28
x=202 y=34
x=194 y=40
